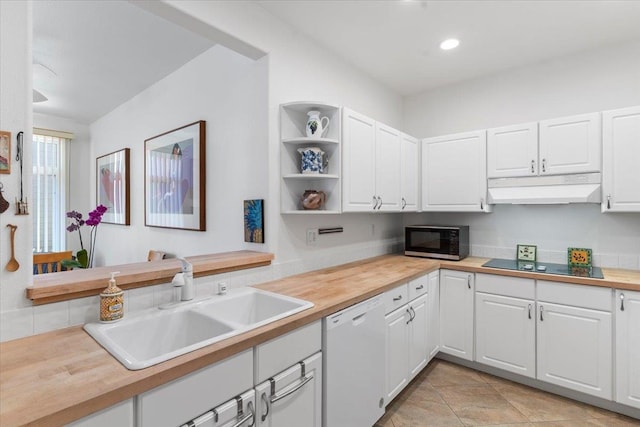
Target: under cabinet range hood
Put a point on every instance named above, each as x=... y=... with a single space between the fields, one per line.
x=546 y=190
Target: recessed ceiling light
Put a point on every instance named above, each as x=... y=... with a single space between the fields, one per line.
x=449 y=44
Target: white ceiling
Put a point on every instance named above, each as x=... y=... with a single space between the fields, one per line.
x=105 y=52
x=102 y=53
x=397 y=42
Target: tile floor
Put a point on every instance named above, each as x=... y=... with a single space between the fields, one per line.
x=445 y=394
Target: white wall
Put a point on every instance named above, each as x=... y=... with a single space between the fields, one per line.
x=591 y=81
x=79 y=167
x=226 y=90
x=15 y=116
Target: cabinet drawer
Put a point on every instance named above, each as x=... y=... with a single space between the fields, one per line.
x=186 y=398
x=593 y=297
x=418 y=287
x=516 y=287
x=280 y=353
x=396 y=297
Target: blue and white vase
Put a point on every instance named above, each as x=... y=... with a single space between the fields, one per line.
x=311 y=160
x=316 y=126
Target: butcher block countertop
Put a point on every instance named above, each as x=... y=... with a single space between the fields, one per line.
x=54 y=378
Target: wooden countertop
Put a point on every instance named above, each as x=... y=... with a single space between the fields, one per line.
x=60 y=376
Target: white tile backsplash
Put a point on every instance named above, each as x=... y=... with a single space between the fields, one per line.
x=84 y=310
x=16 y=323
x=50 y=317
x=629 y=262
x=138 y=299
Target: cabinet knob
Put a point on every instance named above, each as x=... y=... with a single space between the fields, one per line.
x=621 y=302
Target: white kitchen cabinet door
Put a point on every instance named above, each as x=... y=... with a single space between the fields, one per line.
x=628 y=348
x=621 y=160
x=456 y=313
x=297 y=400
x=120 y=414
x=570 y=145
x=506 y=333
x=575 y=348
x=359 y=167
x=418 y=350
x=397 y=359
x=409 y=170
x=512 y=151
x=387 y=163
x=454 y=173
x=433 y=313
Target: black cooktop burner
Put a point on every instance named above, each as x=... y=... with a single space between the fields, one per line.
x=545 y=267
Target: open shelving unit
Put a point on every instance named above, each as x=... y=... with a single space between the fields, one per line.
x=293 y=120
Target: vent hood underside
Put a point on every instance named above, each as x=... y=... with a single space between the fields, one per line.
x=561 y=189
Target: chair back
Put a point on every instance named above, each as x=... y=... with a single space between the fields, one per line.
x=49 y=262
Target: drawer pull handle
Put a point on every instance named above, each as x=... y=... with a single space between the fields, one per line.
x=469 y=282
x=419 y=287
x=292 y=390
x=244 y=418
x=621 y=302
x=266 y=404
x=609 y=201
x=398 y=298
x=404 y=203
x=529 y=311
x=544 y=165
x=533 y=166
x=541 y=316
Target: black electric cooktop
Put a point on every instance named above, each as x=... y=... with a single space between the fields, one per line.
x=545 y=267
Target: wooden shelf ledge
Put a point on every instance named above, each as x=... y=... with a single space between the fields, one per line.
x=68 y=285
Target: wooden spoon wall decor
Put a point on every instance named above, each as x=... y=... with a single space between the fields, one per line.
x=13 y=264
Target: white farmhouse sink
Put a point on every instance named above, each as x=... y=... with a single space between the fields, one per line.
x=154 y=336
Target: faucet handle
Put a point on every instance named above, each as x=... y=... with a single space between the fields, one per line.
x=187 y=267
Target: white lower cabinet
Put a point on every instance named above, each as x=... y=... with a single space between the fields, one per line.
x=433 y=315
x=505 y=334
x=406 y=336
x=193 y=395
x=456 y=313
x=121 y=415
x=292 y=397
x=627 y=313
x=575 y=341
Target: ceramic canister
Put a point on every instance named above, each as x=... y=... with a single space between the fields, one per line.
x=311 y=160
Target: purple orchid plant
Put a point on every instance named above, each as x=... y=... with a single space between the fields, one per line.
x=84 y=258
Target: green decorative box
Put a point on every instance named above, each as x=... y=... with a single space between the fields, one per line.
x=579 y=257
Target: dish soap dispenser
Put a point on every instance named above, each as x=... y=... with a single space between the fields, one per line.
x=112 y=302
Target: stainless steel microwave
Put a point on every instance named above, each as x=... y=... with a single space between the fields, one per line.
x=437 y=241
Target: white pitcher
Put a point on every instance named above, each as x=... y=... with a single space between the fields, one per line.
x=316 y=126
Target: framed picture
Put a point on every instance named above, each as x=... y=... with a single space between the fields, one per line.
x=254 y=221
x=579 y=257
x=526 y=253
x=5 y=152
x=112 y=182
x=174 y=178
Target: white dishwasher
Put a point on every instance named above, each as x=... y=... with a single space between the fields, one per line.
x=354 y=351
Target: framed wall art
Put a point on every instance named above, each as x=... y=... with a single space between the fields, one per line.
x=254 y=221
x=174 y=178
x=112 y=182
x=5 y=152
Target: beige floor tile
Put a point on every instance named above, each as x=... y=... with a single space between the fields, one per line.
x=445 y=373
x=480 y=405
x=427 y=414
x=589 y=422
x=538 y=406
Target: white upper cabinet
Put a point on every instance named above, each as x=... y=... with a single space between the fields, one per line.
x=409 y=168
x=570 y=145
x=359 y=152
x=372 y=174
x=621 y=160
x=387 y=167
x=512 y=151
x=454 y=173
